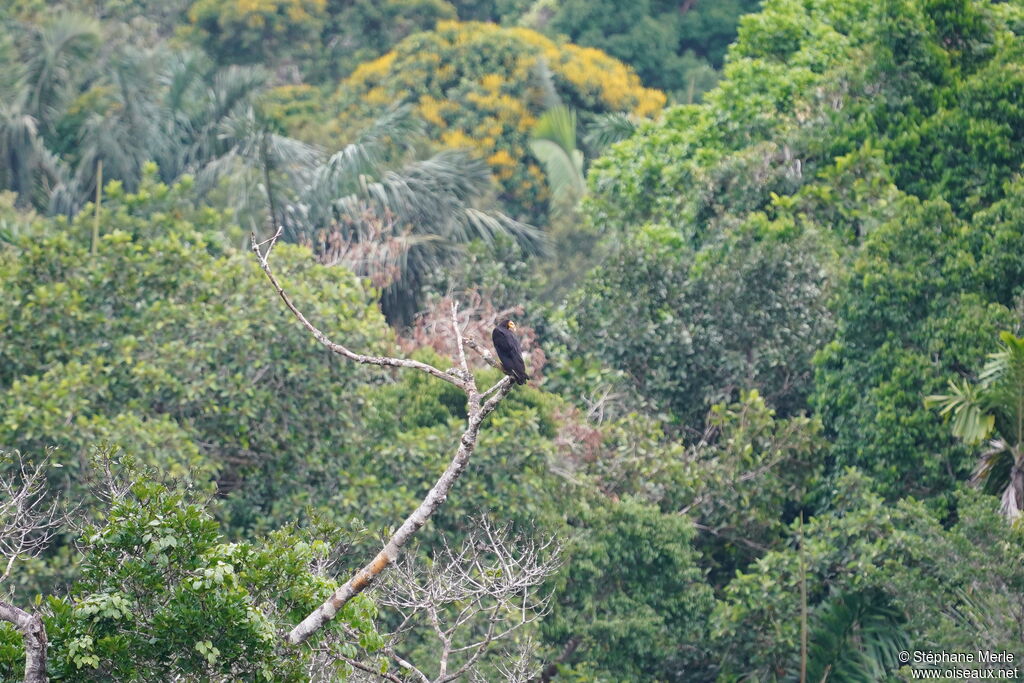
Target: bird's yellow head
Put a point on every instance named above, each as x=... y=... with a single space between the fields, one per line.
x=511 y=326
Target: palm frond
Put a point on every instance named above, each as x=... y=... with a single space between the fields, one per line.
x=1002 y=383
x=971 y=421
x=607 y=129
x=59 y=47
x=557 y=125
x=554 y=144
x=857 y=638
x=398 y=125
x=20 y=148
x=994 y=467
x=564 y=169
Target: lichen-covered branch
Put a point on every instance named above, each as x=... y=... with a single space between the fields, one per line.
x=461 y=349
x=484 y=353
x=33 y=634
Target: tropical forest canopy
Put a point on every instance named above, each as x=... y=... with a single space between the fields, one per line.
x=766 y=262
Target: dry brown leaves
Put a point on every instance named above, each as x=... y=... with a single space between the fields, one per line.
x=477 y=319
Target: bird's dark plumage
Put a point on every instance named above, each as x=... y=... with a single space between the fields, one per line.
x=509 y=352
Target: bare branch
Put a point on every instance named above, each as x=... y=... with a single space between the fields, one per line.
x=28 y=521
x=476 y=413
x=407 y=665
x=520 y=667
x=467 y=375
x=368 y=669
x=484 y=353
x=474 y=595
x=383 y=361
x=272 y=241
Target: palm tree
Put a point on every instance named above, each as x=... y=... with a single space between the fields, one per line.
x=56 y=52
x=378 y=195
x=553 y=142
x=33 y=97
x=20 y=149
x=378 y=189
x=992 y=409
x=857 y=638
x=201 y=106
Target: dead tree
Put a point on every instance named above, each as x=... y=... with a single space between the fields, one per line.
x=469 y=598
x=479 y=406
x=28 y=521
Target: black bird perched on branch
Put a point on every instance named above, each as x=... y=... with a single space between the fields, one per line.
x=509 y=352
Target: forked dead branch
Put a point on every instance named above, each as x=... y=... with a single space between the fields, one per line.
x=469 y=597
x=479 y=406
x=29 y=519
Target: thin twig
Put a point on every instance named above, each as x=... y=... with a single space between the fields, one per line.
x=408 y=666
x=368 y=669
x=490 y=581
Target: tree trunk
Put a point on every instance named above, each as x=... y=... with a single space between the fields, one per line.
x=33 y=633
x=551 y=670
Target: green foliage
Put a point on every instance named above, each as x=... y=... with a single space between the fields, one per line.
x=746 y=480
x=632 y=594
x=357 y=31
x=168 y=342
x=693 y=327
x=12 y=653
x=925 y=297
x=836 y=227
x=966 y=585
x=907 y=575
x=946 y=128
x=994 y=404
x=160 y=591
x=793 y=131
x=499 y=273
x=847 y=551
x=856 y=637
x=671 y=45
x=497 y=11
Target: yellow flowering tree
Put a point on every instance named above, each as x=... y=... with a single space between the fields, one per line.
x=482 y=87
